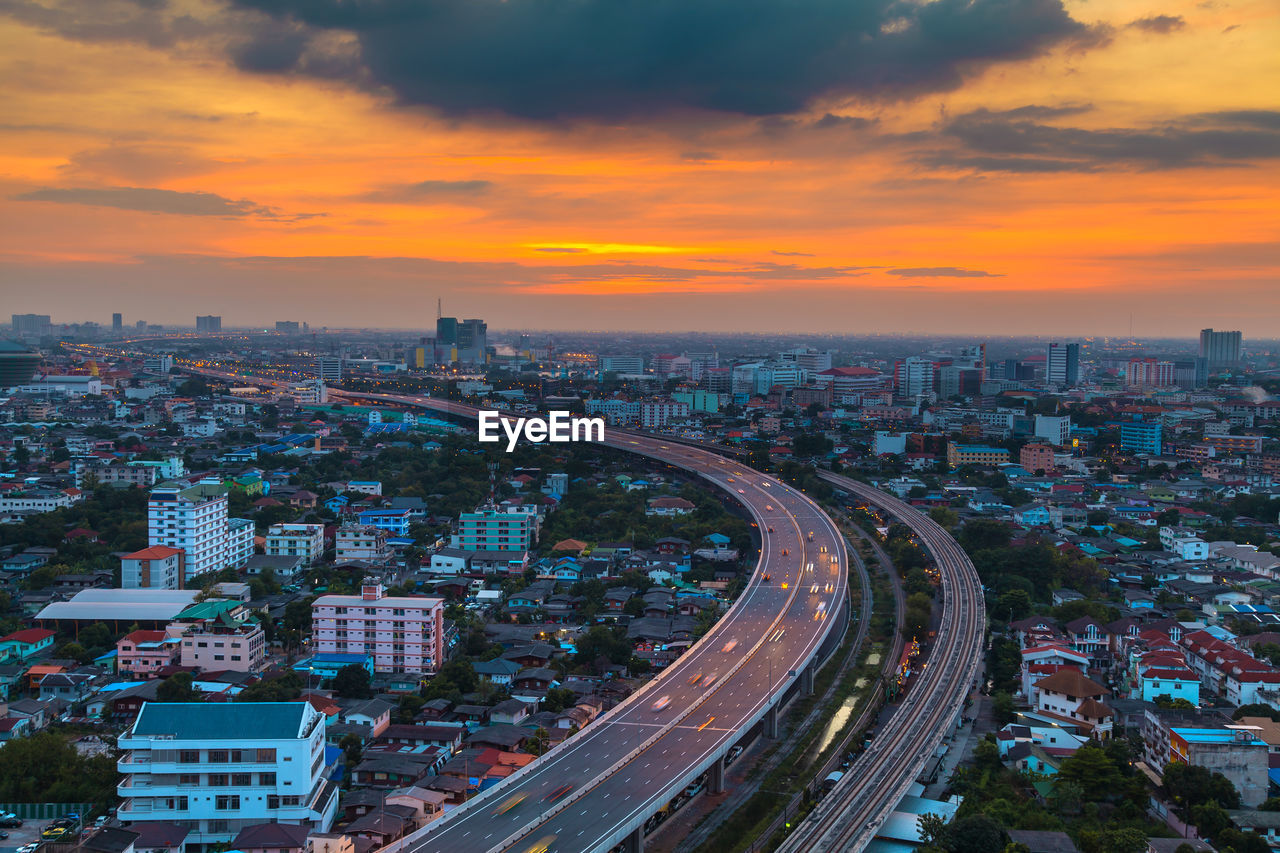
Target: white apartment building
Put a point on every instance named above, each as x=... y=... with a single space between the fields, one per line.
x=296 y=540
x=491 y=530
x=194 y=518
x=1184 y=543
x=403 y=634
x=215 y=768
x=361 y=542
x=1055 y=429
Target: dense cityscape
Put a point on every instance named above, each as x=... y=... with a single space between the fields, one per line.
x=639 y=426
x=277 y=563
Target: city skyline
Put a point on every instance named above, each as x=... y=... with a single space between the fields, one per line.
x=266 y=159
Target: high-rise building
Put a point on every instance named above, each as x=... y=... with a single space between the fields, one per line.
x=473 y=342
x=208 y=323
x=1221 y=349
x=1141 y=437
x=32 y=325
x=328 y=369
x=402 y=633
x=628 y=364
x=1062 y=364
x=1149 y=373
x=288 y=327
x=915 y=376
x=465 y=341
x=117 y=322
x=1191 y=372
x=1055 y=429
x=194 y=518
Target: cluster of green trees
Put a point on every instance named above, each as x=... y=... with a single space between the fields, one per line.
x=1097 y=797
x=612 y=514
x=46 y=768
x=1037 y=568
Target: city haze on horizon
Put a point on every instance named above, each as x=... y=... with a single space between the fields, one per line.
x=1077 y=171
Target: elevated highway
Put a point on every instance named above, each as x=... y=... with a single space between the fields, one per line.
x=849 y=816
x=628 y=764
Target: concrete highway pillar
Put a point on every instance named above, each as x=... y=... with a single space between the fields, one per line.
x=715 y=777
x=771 y=722
x=806 y=681
x=635 y=841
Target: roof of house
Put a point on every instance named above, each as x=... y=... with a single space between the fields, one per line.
x=1072 y=682
x=222 y=720
x=158 y=833
x=28 y=635
x=271 y=836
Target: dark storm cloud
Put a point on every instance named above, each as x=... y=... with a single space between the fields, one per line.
x=605 y=59
x=151 y=200
x=1000 y=141
x=943 y=272
x=1162 y=24
x=274 y=49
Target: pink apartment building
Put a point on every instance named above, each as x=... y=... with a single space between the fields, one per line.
x=403 y=634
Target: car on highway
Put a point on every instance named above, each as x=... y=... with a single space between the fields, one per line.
x=770 y=529
x=661 y=704
x=694 y=679
x=742 y=491
x=542 y=845
x=769 y=507
x=557 y=793
x=509 y=803
x=732 y=644
x=710 y=679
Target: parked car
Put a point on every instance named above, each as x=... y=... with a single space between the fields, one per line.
x=10 y=822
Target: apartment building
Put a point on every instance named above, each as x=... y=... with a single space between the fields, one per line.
x=215 y=768
x=361 y=542
x=296 y=540
x=970 y=454
x=194 y=519
x=491 y=530
x=401 y=633
x=157 y=567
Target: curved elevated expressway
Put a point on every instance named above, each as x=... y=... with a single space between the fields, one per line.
x=847 y=818
x=630 y=762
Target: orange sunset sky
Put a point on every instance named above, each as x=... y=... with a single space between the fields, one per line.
x=994 y=166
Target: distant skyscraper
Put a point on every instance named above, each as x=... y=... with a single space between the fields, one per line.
x=117 y=322
x=463 y=341
x=328 y=369
x=1062 y=364
x=208 y=323
x=32 y=325
x=1191 y=372
x=288 y=327
x=1222 y=349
